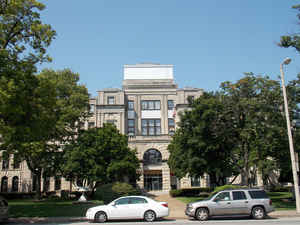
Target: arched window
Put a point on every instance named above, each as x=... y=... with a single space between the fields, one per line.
x=4 y=184
x=15 y=184
x=152 y=156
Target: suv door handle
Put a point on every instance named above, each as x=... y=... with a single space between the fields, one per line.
x=228 y=203
x=246 y=201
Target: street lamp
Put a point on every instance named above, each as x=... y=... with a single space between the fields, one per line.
x=292 y=152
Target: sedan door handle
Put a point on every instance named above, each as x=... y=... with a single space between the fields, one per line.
x=246 y=201
x=228 y=203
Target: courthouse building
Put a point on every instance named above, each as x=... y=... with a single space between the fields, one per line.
x=146 y=109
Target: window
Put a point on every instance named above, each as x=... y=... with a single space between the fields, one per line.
x=151 y=105
x=5 y=163
x=171 y=125
x=258 y=194
x=46 y=185
x=4 y=184
x=131 y=127
x=151 y=127
x=92 y=108
x=152 y=156
x=57 y=183
x=15 y=184
x=17 y=162
x=113 y=122
x=131 y=114
x=110 y=100
x=130 y=105
x=91 y=124
x=238 y=195
x=79 y=182
x=137 y=200
x=170 y=104
x=122 y=201
x=195 y=181
x=224 y=196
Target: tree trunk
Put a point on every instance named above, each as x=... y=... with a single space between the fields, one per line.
x=38 y=175
x=245 y=170
x=213 y=180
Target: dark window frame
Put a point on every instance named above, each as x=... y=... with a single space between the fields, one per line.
x=171 y=104
x=148 y=128
x=195 y=181
x=152 y=157
x=131 y=127
x=130 y=105
x=15 y=184
x=109 y=99
x=4 y=184
x=239 y=195
x=57 y=183
x=150 y=105
x=171 y=126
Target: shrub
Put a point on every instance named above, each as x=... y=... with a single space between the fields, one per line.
x=18 y=195
x=175 y=193
x=190 y=192
x=280 y=189
x=109 y=192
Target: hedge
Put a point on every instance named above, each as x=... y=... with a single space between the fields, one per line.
x=190 y=192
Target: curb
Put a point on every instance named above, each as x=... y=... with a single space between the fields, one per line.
x=37 y=220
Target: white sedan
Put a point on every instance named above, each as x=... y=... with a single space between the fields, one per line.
x=129 y=207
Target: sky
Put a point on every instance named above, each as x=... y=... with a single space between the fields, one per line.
x=208 y=42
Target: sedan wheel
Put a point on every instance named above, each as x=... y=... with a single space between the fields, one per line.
x=202 y=214
x=258 y=213
x=100 y=217
x=149 y=216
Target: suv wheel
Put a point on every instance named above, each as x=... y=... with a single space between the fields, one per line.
x=202 y=214
x=258 y=213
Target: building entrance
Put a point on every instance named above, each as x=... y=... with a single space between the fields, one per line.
x=153 y=180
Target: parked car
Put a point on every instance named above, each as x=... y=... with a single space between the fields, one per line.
x=3 y=209
x=237 y=202
x=130 y=207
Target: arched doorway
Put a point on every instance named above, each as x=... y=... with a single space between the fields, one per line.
x=15 y=184
x=152 y=177
x=4 y=184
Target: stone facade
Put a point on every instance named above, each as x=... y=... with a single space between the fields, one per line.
x=146 y=109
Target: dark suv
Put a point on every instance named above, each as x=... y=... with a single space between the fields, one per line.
x=251 y=202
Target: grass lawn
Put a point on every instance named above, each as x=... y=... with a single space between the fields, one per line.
x=280 y=200
x=48 y=208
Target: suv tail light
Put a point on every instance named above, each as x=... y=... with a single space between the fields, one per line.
x=165 y=205
x=270 y=202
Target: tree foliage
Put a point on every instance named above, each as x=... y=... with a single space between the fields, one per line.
x=37 y=119
x=240 y=129
x=100 y=156
x=205 y=139
x=22 y=33
x=293 y=40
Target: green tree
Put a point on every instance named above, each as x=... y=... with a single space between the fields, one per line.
x=204 y=137
x=240 y=129
x=54 y=108
x=22 y=33
x=100 y=156
x=256 y=103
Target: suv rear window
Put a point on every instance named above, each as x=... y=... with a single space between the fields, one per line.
x=258 y=194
